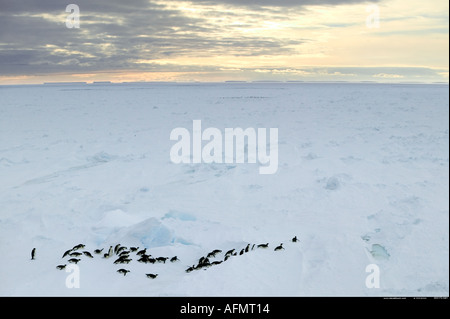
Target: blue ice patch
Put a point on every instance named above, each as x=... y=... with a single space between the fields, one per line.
x=379 y=252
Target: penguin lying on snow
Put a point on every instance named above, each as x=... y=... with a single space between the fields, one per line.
x=279 y=247
x=75 y=254
x=190 y=268
x=263 y=245
x=74 y=260
x=66 y=253
x=141 y=252
x=86 y=253
x=146 y=259
x=123 y=271
x=228 y=253
x=213 y=253
x=162 y=259
x=122 y=260
x=151 y=276
x=98 y=251
x=60 y=267
x=79 y=246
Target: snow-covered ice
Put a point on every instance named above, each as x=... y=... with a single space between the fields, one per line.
x=362 y=179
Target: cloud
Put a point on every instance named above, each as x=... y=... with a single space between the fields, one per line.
x=259 y=37
x=54 y=6
x=388 y=76
x=351 y=73
x=284 y=3
x=112 y=36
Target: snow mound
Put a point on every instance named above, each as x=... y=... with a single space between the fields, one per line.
x=116 y=218
x=150 y=232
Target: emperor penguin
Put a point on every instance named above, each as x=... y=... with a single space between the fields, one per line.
x=33 y=253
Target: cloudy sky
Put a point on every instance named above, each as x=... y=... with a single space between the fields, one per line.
x=207 y=40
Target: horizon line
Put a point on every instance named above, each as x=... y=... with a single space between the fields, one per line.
x=68 y=83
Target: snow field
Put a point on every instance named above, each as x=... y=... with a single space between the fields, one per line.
x=362 y=179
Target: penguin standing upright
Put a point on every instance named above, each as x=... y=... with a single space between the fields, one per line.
x=110 y=252
x=33 y=253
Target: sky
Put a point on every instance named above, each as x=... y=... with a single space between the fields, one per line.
x=224 y=40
